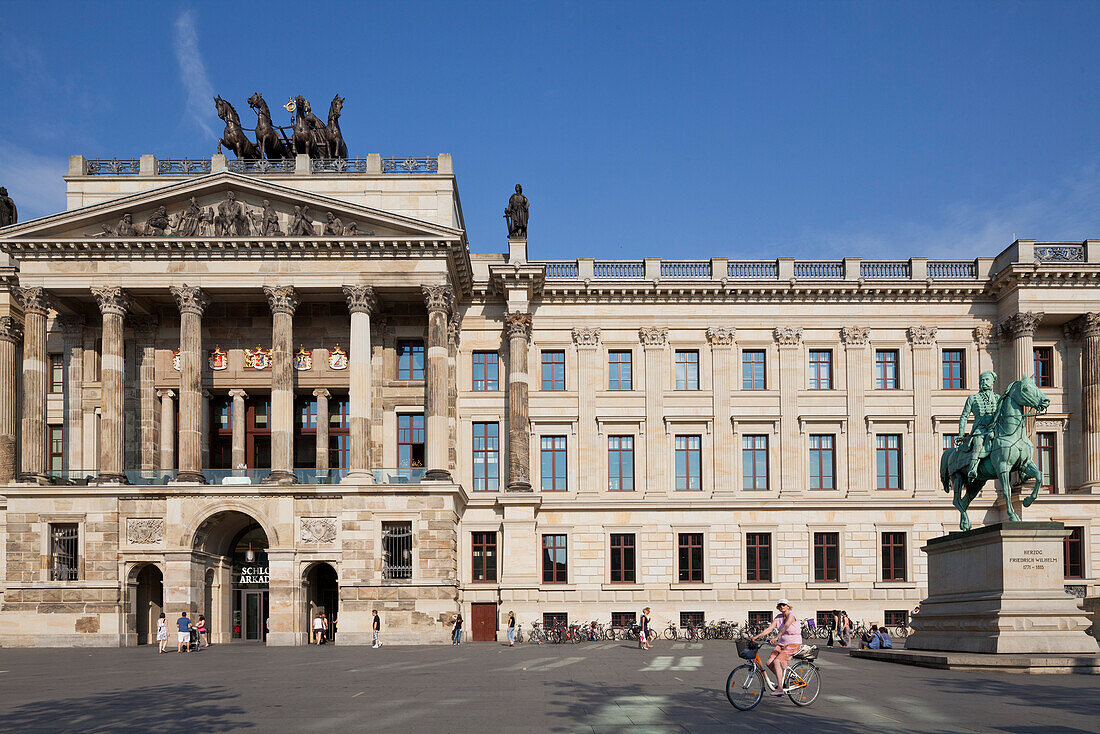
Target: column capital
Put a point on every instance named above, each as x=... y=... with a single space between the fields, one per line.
x=238 y=394
x=361 y=298
x=112 y=300
x=10 y=330
x=1087 y=324
x=721 y=336
x=983 y=335
x=144 y=325
x=282 y=298
x=190 y=299
x=653 y=336
x=35 y=300
x=322 y=392
x=586 y=337
x=166 y=394
x=921 y=335
x=438 y=297
x=1021 y=324
x=787 y=336
x=518 y=325
x=855 y=336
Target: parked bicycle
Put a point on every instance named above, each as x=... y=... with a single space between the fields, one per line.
x=746 y=683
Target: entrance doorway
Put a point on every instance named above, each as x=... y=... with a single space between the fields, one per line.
x=148 y=603
x=483 y=622
x=322 y=594
x=233 y=548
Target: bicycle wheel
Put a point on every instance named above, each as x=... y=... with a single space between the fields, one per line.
x=609 y=633
x=902 y=632
x=745 y=687
x=803 y=683
x=670 y=633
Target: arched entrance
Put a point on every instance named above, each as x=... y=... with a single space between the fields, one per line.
x=148 y=603
x=232 y=548
x=321 y=594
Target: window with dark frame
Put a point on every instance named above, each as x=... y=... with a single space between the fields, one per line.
x=553 y=370
x=827 y=557
x=624 y=619
x=305 y=433
x=622 y=558
x=57 y=450
x=954 y=369
x=822 y=461
x=554 y=468
x=555 y=564
x=620 y=370
x=1044 y=366
x=758 y=557
x=410 y=440
x=886 y=369
x=555 y=620
x=888 y=461
x=64 y=551
x=486 y=371
x=1046 y=460
x=620 y=463
x=690 y=558
x=752 y=369
x=692 y=619
x=1073 y=553
x=687 y=369
x=893 y=556
x=410 y=359
x=486 y=457
x=895 y=618
x=339 y=432
x=484 y=555
x=689 y=462
x=754 y=462
x=57 y=373
x=821 y=369
x=758 y=617
x=397 y=561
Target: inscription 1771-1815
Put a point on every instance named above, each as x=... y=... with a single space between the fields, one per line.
x=1032 y=559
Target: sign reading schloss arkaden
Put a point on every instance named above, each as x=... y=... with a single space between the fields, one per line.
x=252 y=575
x=1032 y=559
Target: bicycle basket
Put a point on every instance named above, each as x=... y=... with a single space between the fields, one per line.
x=806 y=652
x=747 y=649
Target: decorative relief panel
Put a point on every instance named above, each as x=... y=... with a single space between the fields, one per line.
x=144 y=531
x=921 y=334
x=317 y=530
x=653 y=336
x=788 y=335
x=586 y=337
x=855 y=335
x=721 y=336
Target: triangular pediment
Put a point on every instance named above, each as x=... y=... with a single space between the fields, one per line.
x=226 y=205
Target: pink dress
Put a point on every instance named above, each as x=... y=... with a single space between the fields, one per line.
x=789 y=641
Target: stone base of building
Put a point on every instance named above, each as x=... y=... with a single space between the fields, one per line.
x=1002 y=663
x=1000 y=590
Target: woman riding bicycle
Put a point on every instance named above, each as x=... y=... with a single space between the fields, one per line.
x=788 y=643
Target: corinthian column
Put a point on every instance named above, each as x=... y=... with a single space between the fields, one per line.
x=167 y=430
x=361 y=303
x=11 y=331
x=192 y=302
x=283 y=300
x=1089 y=327
x=238 y=448
x=321 y=416
x=1021 y=327
x=36 y=306
x=113 y=304
x=440 y=302
x=518 y=326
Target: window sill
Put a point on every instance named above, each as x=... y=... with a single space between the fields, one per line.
x=826 y=584
x=767 y=585
x=622 y=587
x=557 y=587
x=690 y=586
x=895 y=585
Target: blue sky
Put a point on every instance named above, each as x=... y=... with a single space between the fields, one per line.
x=637 y=129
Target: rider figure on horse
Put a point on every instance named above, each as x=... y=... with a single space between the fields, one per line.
x=983 y=404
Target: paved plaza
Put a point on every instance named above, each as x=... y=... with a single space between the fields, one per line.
x=485 y=687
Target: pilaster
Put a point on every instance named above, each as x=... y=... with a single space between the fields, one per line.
x=922 y=341
x=857 y=368
x=590 y=480
x=723 y=342
x=793 y=482
x=657 y=482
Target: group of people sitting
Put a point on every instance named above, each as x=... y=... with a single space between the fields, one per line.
x=876 y=639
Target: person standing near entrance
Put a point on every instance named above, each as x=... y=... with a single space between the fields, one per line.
x=456 y=630
x=162 y=633
x=318 y=628
x=376 y=627
x=511 y=629
x=204 y=636
x=183 y=638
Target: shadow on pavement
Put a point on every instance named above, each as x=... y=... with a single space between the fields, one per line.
x=1028 y=692
x=176 y=707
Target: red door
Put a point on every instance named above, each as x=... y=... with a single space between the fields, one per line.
x=483 y=622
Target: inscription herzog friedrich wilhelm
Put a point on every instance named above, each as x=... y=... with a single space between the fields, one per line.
x=1033 y=559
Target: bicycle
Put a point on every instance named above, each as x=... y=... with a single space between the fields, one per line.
x=746 y=683
x=536 y=636
x=901 y=632
x=671 y=632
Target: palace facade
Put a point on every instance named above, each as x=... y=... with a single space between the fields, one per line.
x=253 y=390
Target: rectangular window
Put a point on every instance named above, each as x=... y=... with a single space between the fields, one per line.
x=486 y=371
x=553 y=463
x=886 y=369
x=689 y=462
x=486 y=457
x=410 y=440
x=893 y=556
x=687 y=369
x=754 y=462
x=821 y=369
x=954 y=363
x=484 y=554
x=895 y=618
x=827 y=557
x=760 y=619
x=1044 y=449
x=691 y=558
x=758 y=557
x=620 y=463
x=554 y=560
x=57 y=450
x=64 y=544
x=553 y=370
x=824 y=619
x=1044 y=366
x=57 y=373
x=622 y=558
x=397 y=560
x=752 y=369
x=620 y=370
x=692 y=619
x=624 y=619
x=888 y=461
x=339 y=432
x=555 y=620
x=822 y=461
x=410 y=359
x=1073 y=553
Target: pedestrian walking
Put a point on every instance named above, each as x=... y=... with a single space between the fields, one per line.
x=643 y=630
x=456 y=630
x=318 y=628
x=204 y=635
x=845 y=629
x=376 y=627
x=324 y=628
x=183 y=638
x=162 y=633
x=788 y=643
x=511 y=629
x=834 y=623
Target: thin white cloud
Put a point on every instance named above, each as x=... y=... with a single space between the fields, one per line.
x=200 y=94
x=33 y=181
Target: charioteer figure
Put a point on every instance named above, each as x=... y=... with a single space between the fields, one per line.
x=982 y=405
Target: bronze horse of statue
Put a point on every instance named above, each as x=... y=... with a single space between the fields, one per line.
x=336 y=146
x=1010 y=450
x=234 y=138
x=309 y=134
x=268 y=140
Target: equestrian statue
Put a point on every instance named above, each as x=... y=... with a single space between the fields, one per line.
x=234 y=138
x=996 y=445
x=269 y=141
x=308 y=135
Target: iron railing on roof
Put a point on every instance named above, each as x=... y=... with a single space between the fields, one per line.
x=114 y=167
x=262 y=165
x=185 y=166
x=427 y=164
x=1067 y=252
x=338 y=165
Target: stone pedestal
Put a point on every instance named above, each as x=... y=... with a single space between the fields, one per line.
x=999 y=589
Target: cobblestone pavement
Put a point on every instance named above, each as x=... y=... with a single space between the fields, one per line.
x=595 y=687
